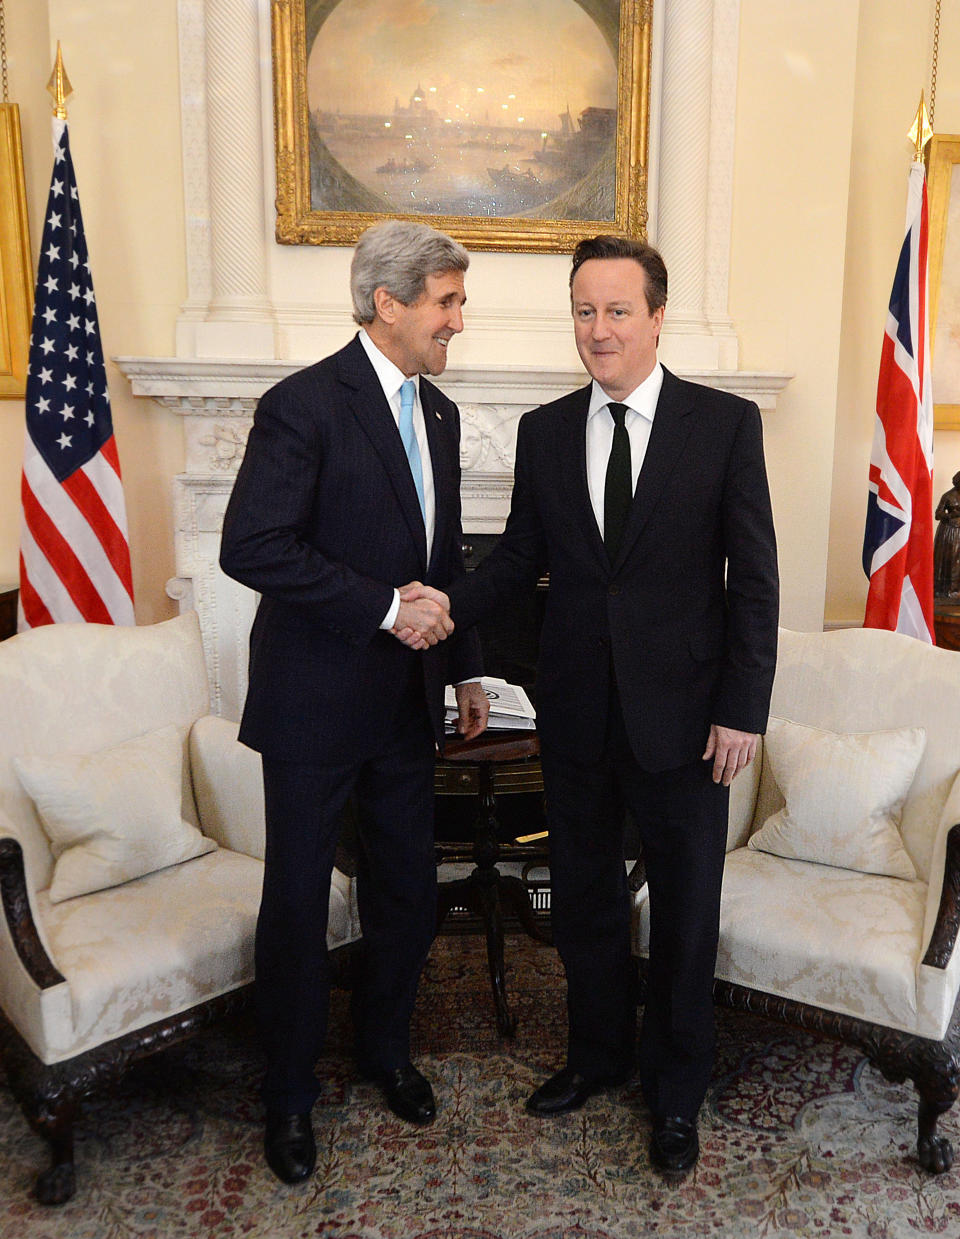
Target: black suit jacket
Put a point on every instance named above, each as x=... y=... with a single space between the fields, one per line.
x=323 y=522
x=687 y=614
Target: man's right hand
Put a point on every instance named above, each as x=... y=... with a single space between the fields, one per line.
x=416 y=590
x=424 y=616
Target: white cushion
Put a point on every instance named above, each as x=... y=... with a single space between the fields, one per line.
x=115 y=814
x=844 y=795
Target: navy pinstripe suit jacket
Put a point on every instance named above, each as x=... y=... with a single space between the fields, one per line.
x=323 y=522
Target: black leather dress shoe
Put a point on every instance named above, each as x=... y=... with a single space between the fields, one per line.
x=674 y=1146
x=289 y=1146
x=409 y=1095
x=568 y=1090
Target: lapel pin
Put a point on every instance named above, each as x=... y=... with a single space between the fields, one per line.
x=437 y=415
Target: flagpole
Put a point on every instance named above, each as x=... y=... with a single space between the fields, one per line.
x=920 y=132
x=59 y=89
x=59 y=86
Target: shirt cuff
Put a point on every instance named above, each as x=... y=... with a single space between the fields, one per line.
x=390 y=618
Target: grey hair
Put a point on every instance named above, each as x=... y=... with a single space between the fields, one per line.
x=398 y=255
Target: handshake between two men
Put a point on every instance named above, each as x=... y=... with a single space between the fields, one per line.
x=423 y=619
x=424 y=616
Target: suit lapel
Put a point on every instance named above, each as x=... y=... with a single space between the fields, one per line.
x=369 y=406
x=668 y=436
x=573 y=452
x=445 y=467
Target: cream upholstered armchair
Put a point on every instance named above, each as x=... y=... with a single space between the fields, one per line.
x=131 y=844
x=841 y=892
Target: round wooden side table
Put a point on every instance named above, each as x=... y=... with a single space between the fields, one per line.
x=487 y=893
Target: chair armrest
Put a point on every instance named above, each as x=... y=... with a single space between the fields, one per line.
x=939 y=940
x=945 y=928
x=227 y=786
x=15 y=900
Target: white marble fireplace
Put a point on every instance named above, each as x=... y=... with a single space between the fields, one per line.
x=247 y=321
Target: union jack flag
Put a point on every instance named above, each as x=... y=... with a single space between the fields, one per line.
x=898 y=539
x=74 y=551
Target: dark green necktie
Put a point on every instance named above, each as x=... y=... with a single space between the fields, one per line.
x=618 y=488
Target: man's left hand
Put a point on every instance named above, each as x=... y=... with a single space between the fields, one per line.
x=474 y=709
x=732 y=751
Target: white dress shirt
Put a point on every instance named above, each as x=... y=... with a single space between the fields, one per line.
x=392 y=379
x=641 y=407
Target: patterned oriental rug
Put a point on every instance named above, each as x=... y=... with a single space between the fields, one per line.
x=799 y=1137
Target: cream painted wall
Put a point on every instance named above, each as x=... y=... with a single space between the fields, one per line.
x=893 y=65
x=121 y=58
x=794 y=126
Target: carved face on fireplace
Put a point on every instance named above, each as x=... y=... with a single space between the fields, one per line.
x=471 y=441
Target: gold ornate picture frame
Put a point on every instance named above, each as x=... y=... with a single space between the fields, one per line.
x=943 y=176
x=511 y=124
x=16 y=275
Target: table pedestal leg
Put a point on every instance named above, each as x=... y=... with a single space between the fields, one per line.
x=485 y=893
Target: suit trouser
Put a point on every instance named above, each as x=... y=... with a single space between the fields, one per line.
x=681 y=816
x=396 y=891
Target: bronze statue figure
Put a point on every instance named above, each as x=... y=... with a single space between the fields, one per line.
x=946 y=545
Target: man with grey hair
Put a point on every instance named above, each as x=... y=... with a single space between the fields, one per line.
x=349 y=489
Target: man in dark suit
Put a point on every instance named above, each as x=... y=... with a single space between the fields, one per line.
x=646 y=499
x=349 y=487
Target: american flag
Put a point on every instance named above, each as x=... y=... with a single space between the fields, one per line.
x=898 y=539
x=74 y=552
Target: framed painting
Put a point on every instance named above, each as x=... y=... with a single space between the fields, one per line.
x=944 y=193
x=510 y=124
x=16 y=277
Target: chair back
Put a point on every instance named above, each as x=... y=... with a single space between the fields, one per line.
x=862 y=679
x=79 y=688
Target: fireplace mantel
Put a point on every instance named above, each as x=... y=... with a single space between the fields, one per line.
x=217 y=399
x=186 y=384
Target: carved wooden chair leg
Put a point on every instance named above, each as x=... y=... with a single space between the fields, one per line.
x=935 y=1152
x=57 y=1184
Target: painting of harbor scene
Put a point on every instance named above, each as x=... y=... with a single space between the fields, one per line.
x=488 y=109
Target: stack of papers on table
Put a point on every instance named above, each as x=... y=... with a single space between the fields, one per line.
x=510 y=707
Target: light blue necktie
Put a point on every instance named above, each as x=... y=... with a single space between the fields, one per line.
x=410 y=445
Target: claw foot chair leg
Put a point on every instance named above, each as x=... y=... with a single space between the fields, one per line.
x=935 y=1152
x=57 y=1184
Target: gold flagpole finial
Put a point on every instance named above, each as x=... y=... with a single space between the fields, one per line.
x=59 y=86
x=921 y=133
